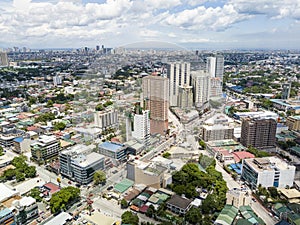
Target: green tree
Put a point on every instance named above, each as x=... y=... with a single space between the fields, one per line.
x=30 y=171
x=62 y=199
x=9 y=174
x=99 y=107
x=20 y=176
x=166 y=155
x=99 y=177
x=202 y=144
x=129 y=218
x=35 y=193
x=59 y=126
x=1 y=151
x=124 y=204
x=150 y=211
x=194 y=216
x=49 y=104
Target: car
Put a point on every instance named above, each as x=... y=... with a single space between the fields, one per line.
x=110 y=188
x=69 y=182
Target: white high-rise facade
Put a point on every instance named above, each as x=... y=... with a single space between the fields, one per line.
x=141 y=126
x=179 y=74
x=215 y=67
x=201 y=84
x=3 y=59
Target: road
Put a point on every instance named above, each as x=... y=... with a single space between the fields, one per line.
x=263 y=213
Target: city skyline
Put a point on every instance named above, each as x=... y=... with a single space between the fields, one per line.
x=203 y=24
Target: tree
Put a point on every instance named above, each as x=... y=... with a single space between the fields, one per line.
x=49 y=104
x=150 y=211
x=129 y=218
x=30 y=171
x=202 y=144
x=194 y=216
x=62 y=199
x=9 y=174
x=124 y=204
x=20 y=176
x=59 y=126
x=166 y=155
x=99 y=177
x=35 y=193
x=1 y=151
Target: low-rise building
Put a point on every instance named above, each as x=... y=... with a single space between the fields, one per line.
x=21 y=144
x=116 y=151
x=238 y=197
x=8 y=132
x=293 y=122
x=25 y=210
x=79 y=163
x=6 y=216
x=45 y=147
x=268 y=172
x=179 y=205
x=292 y=195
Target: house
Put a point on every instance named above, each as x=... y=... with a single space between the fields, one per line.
x=179 y=205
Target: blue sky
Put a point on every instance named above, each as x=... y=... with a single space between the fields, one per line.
x=203 y=24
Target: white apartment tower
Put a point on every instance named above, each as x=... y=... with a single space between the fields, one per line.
x=106 y=119
x=3 y=59
x=179 y=74
x=201 y=84
x=215 y=67
x=141 y=126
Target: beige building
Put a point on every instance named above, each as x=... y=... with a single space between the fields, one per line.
x=292 y=195
x=293 y=122
x=150 y=174
x=238 y=198
x=156 y=99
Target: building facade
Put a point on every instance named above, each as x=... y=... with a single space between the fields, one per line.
x=106 y=119
x=268 y=172
x=115 y=151
x=3 y=59
x=201 y=85
x=293 y=122
x=25 y=210
x=79 y=163
x=141 y=126
x=7 y=216
x=185 y=97
x=156 y=99
x=286 y=90
x=258 y=132
x=179 y=74
x=215 y=66
x=45 y=148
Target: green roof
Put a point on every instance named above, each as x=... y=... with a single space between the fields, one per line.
x=294 y=218
x=243 y=222
x=250 y=216
x=227 y=215
x=123 y=185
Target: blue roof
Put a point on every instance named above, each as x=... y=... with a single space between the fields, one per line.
x=5 y=212
x=111 y=146
x=19 y=139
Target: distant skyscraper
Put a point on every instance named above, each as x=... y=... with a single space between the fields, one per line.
x=179 y=74
x=201 y=85
x=3 y=59
x=286 y=90
x=57 y=80
x=156 y=99
x=215 y=87
x=258 y=132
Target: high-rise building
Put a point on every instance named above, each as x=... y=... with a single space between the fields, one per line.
x=185 y=97
x=179 y=74
x=106 y=119
x=57 y=80
x=215 y=66
x=201 y=84
x=286 y=90
x=141 y=126
x=156 y=99
x=3 y=59
x=258 y=132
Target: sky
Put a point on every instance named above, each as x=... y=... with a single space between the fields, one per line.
x=203 y=24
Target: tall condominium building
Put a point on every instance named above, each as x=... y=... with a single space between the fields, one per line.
x=3 y=59
x=268 y=172
x=45 y=148
x=178 y=74
x=141 y=126
x=258 y=132
x=185 y=97
x=156 y=99
x=286 y=90
x=106 y=118
x=215 y=66
x=215 y=87
x=79 y=163
x=57 y=80
x=201 y=84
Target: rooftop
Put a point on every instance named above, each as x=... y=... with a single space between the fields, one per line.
x=268 y=163
x=5 y=212
x=60 y=219
x=180 y=202
x=111 y=146
x=87 y=160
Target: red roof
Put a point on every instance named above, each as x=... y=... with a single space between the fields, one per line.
x=242 y=155
x=52 y=187
x=144 y=209
x=32 y=128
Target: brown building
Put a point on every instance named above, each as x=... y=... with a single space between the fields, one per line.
x=258 y=132
x=293 y=122
x=156 y=99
